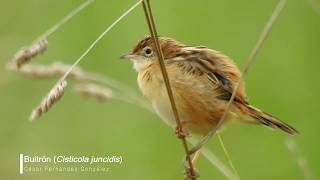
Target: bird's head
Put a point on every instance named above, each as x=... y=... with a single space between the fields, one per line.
x=145 y=54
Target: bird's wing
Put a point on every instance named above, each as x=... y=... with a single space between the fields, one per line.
x=219 y=70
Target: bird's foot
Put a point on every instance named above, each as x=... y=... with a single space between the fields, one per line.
x=180 y=133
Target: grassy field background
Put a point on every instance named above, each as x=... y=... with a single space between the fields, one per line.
x=284 y=81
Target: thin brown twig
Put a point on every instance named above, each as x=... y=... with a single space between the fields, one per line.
x=267 y=29
x=153 y=33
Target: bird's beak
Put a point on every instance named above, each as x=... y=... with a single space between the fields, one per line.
x=128 y=56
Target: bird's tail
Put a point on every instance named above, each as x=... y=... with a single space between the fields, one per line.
x=268 y=120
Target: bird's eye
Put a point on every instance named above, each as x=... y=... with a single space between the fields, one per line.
x=147 y=51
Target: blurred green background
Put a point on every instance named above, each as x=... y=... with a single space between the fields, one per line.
x=284 y=81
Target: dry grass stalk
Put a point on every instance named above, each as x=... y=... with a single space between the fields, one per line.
x=26 y=54
x=190 y=173
x=53 y=70
x=100 y=93
x=47 y=102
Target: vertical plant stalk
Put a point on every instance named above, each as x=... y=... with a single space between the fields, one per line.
x=252 y=57
x=153 y=33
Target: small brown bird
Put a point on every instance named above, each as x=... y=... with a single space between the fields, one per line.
x=202 y=81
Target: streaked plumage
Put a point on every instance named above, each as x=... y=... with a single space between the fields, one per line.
x=202 y=81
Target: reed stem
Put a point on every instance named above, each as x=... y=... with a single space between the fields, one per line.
x=154 y=35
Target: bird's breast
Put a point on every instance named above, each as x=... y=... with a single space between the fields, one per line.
x=152 y=86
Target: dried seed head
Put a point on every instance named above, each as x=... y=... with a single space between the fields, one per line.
x=93 y=90
x=47 y=102
x=32 y=70
x=57 y=69
x=26 y=54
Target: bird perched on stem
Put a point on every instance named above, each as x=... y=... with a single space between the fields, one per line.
x=202 y=81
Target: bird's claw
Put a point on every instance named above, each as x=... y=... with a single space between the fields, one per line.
x=180 y=133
